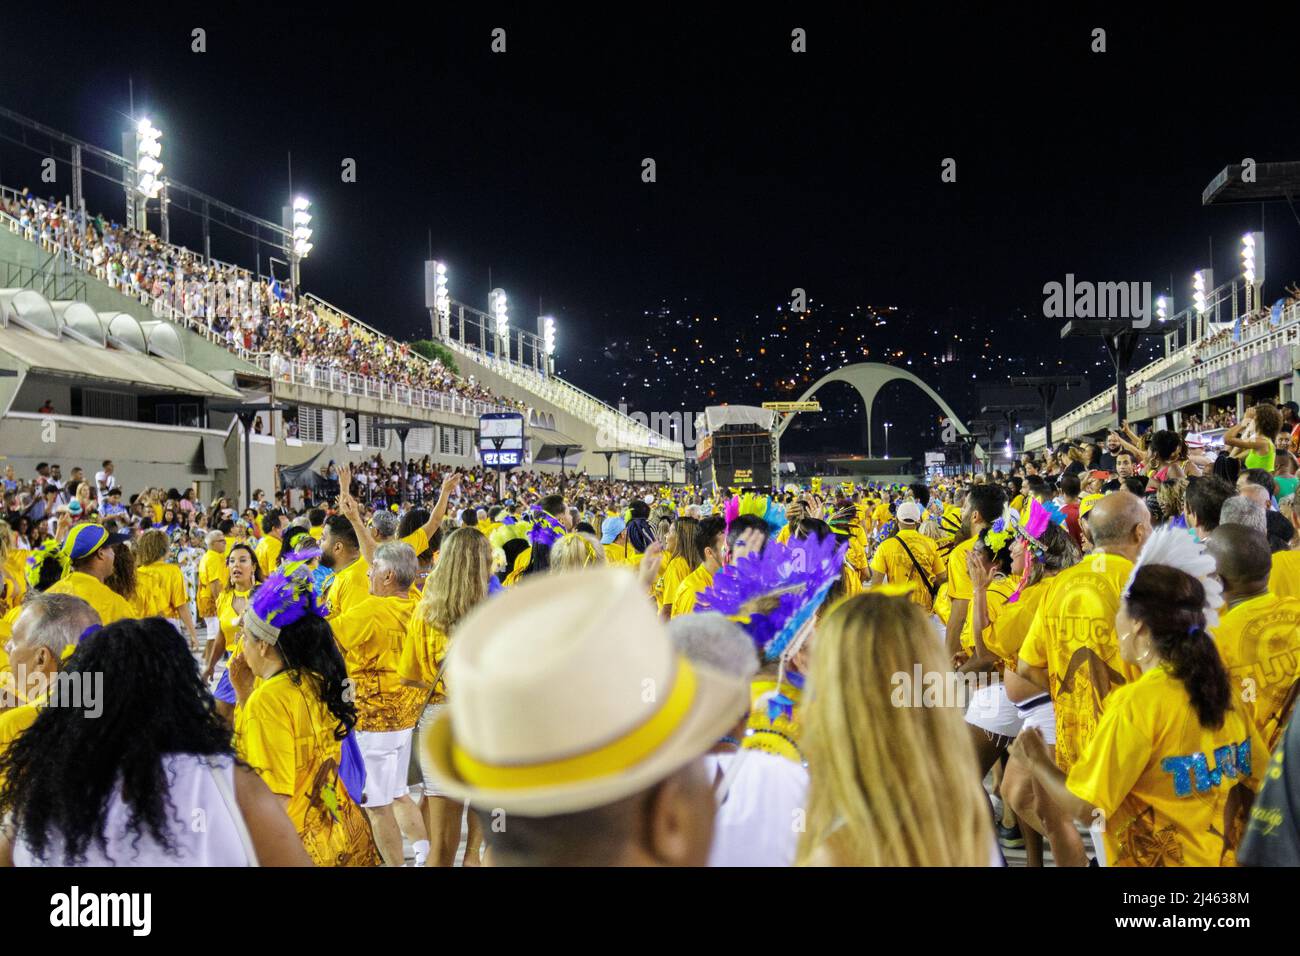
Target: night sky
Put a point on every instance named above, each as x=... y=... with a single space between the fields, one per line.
x=775 y=170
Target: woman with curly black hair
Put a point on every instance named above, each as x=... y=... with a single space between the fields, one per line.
x=294 y=711
x=1169 y=775
x=123 y=783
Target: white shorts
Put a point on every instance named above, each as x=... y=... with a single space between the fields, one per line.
x=1042 y=716
x=427 y=717
x=386 y=754
x=991 y=710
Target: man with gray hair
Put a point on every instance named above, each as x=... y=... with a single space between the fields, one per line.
x=760 y=796
x=383 y=526
x=47 y=629
x=371 y=633
x=1239 y=509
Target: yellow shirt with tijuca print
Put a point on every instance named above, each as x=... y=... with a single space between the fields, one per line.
x=1172 y=792
x=371 y=635
x=1073 y=637
x=892 y=561
x=423 y=651
x=160 y=589
x=1284 y=579
x=348 y=587
x=16 y=567
x=688 y=592
x=109 y=605
x=1259 y=640
x=285 y=732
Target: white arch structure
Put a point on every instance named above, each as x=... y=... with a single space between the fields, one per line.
x=869 y=378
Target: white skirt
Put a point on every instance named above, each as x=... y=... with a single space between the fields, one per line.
x=991 y=710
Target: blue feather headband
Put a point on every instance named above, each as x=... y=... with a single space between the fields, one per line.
x=772 y=594
x=286 y=597
x=546 y=529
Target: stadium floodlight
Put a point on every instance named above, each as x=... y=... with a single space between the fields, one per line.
x=1199 y=300
x=302 y=232
x=500 y=313
x=1162 y=308
x=148 y=167
x=548 y=334
x=1248 y=257
x=441 y=297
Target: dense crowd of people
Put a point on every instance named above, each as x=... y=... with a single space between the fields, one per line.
x=249 y=314
x=1096 y=652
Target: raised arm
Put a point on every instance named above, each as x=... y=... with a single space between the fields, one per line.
x=349 y=508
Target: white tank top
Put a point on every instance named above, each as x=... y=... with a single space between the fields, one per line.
x=206 y=828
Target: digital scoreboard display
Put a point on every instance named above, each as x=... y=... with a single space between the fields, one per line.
x=505 y=458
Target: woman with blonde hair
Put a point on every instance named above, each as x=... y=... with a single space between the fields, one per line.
x=576 y=550
x=160 y=585
x=923 y=804
x=458 y=582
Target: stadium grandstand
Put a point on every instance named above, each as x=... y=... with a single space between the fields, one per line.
x=1222 y=355
x=153 y=345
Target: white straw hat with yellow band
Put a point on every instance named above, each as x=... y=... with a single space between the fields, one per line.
x=565 y=694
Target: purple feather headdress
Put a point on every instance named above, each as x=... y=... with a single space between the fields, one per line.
x=286 y=597
x=546 y=530
x=773 y=593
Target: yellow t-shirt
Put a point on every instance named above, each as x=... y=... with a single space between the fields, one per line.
x=1284 y=579
x=109 y=605
x=881 y=513
x=287 y=734
x=1174 y=793
x=268 y=553
x=348 y=587
x=12 y=724
x=996 y=598
x=674 y=573
x=1259 y=640
x=316 y=532
x=688 y=592
x=371 y=635
x=620 y=554
x=892 y=561
x=1073 y=637
x=212 y=567
x=1006 y=633
x=423 y=651
x=959 y=586
x=160 y=589
x=942 y=606
x=418 y=540
x=229 y=619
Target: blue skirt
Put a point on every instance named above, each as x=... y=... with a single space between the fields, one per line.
x=225 y=691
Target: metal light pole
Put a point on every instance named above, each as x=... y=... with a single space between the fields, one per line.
x=887 y=424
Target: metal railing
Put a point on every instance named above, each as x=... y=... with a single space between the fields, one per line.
x=621 y=429
x=297 y=372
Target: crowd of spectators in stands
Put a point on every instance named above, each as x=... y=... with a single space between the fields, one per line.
x=248 y=314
